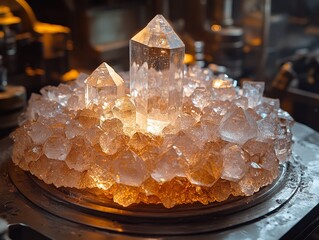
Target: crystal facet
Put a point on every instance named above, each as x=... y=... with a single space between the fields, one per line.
x=156 y=72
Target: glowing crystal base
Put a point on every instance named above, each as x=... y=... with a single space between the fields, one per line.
x=206 y=156
x=155 y=146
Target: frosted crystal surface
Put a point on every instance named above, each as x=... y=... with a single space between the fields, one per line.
x=103 y=86
x=156 y=72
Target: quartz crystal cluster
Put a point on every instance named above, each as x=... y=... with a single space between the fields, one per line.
x=223 y=140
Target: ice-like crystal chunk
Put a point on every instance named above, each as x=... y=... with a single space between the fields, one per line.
x=39 y=133
x=103 y=86
x=156 y=72
x=200 y=97
x=128 y=169
x=169 y=166
x=57 y=148
x=254 y=92
x=235 y=162
x=238 y=126
x=223 y=88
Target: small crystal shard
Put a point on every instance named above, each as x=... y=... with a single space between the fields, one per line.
x=111 y=142
x=283 y=143
x=39 y=133
x=170 y=165
x=56 y=148
x=39 y=107
x=156 y=59
x=254 y=92
x=128 y=169
x=238 y=126
x=235 y=163
x=80 y=155
x=103 y=86
x=200 y=97
x=223 y=88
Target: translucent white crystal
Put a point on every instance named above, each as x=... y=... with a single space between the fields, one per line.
x=254 y=92
x=129 y=169
x=40 y=107
x=60 y=94
x=200 y=97
x=238 y=126
x=241 y=101
x=202 y=132
x=186 y=148
x=111 y=142
x=170 y=165
x=274 y=102
x=156 y=72
x=285 y=118
x=283 y=143
x=267 y=127
x=39 y=133
x=57 y=148
x=103 y=86
x=235 y=163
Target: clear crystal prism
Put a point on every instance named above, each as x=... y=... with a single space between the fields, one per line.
x=156 y=72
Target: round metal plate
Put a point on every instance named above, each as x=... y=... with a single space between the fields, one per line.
x=84 y=207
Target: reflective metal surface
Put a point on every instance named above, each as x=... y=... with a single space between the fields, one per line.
x=275 y=212
x=86 y=208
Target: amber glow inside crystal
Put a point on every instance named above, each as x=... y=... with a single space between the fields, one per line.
x=182 y=136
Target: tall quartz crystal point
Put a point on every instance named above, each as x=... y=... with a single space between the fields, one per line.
x=103 y=86
x=156 y=73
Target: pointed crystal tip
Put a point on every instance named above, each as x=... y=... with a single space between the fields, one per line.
x=160 y=25
x=159 y=33
x=104 y=75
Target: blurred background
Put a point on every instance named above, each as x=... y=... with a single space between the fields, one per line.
x=49 y=42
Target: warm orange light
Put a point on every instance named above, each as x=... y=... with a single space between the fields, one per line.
x=188 y=58
x=217 y=83
x=215 y=28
